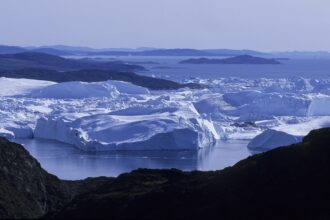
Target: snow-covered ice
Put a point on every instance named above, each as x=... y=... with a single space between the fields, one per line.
x=319 y=106
x=80 y=90
x=132 y=129
x=114 y=115
x=14 y=87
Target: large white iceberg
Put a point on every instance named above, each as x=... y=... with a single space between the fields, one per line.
x=241 y=98
x=273 y=105
x=79 y=90
x=271 y=139
x=15 y=87
x=319 y=106
x=12 y=131
x=6 y=134
x=170 y=128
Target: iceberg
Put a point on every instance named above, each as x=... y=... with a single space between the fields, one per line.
x=172 y=128
x=241 y=98
x=6 y=134
x=80 y=90
x=16 y=87
x=271 y=139
x=16 y=131
x=271 y=105
x=319 y=106
x=127 y=88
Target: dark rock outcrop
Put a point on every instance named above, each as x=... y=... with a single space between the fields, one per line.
x=26 y=190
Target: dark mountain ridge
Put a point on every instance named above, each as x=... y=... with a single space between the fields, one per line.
x=53 y=62
x=42 y=66
x=97 y=75
x=63 y=50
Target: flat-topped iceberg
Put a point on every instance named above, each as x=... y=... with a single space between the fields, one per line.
x=172 y=128
x=79 y=90
x=15 y=87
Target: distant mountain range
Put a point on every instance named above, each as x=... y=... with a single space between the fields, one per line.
x=54 y=62
x=63 y=50
x=243 y=59
x=42 y=66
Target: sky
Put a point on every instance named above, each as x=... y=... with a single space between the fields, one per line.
x=265 y=25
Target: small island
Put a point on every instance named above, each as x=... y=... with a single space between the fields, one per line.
x=243 y=59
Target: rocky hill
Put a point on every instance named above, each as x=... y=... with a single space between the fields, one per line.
x=42 y=66
x=53 y=62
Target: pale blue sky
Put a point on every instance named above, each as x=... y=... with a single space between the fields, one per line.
x=265 y=25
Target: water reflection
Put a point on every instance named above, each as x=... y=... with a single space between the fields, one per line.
x=224 y=154
x=67 y=162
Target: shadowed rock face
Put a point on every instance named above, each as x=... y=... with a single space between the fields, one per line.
x=26 y=190
x=287 y=182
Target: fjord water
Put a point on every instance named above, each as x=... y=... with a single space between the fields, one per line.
x=67 y=162
x=169 y=67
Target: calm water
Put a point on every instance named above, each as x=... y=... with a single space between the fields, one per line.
x=168 y=67
x=67 y=162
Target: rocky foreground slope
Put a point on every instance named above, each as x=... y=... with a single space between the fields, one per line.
x=287 y=182
x=27 y=190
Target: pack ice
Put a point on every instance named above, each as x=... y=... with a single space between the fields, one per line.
x=115 y=115
x=105 y=116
